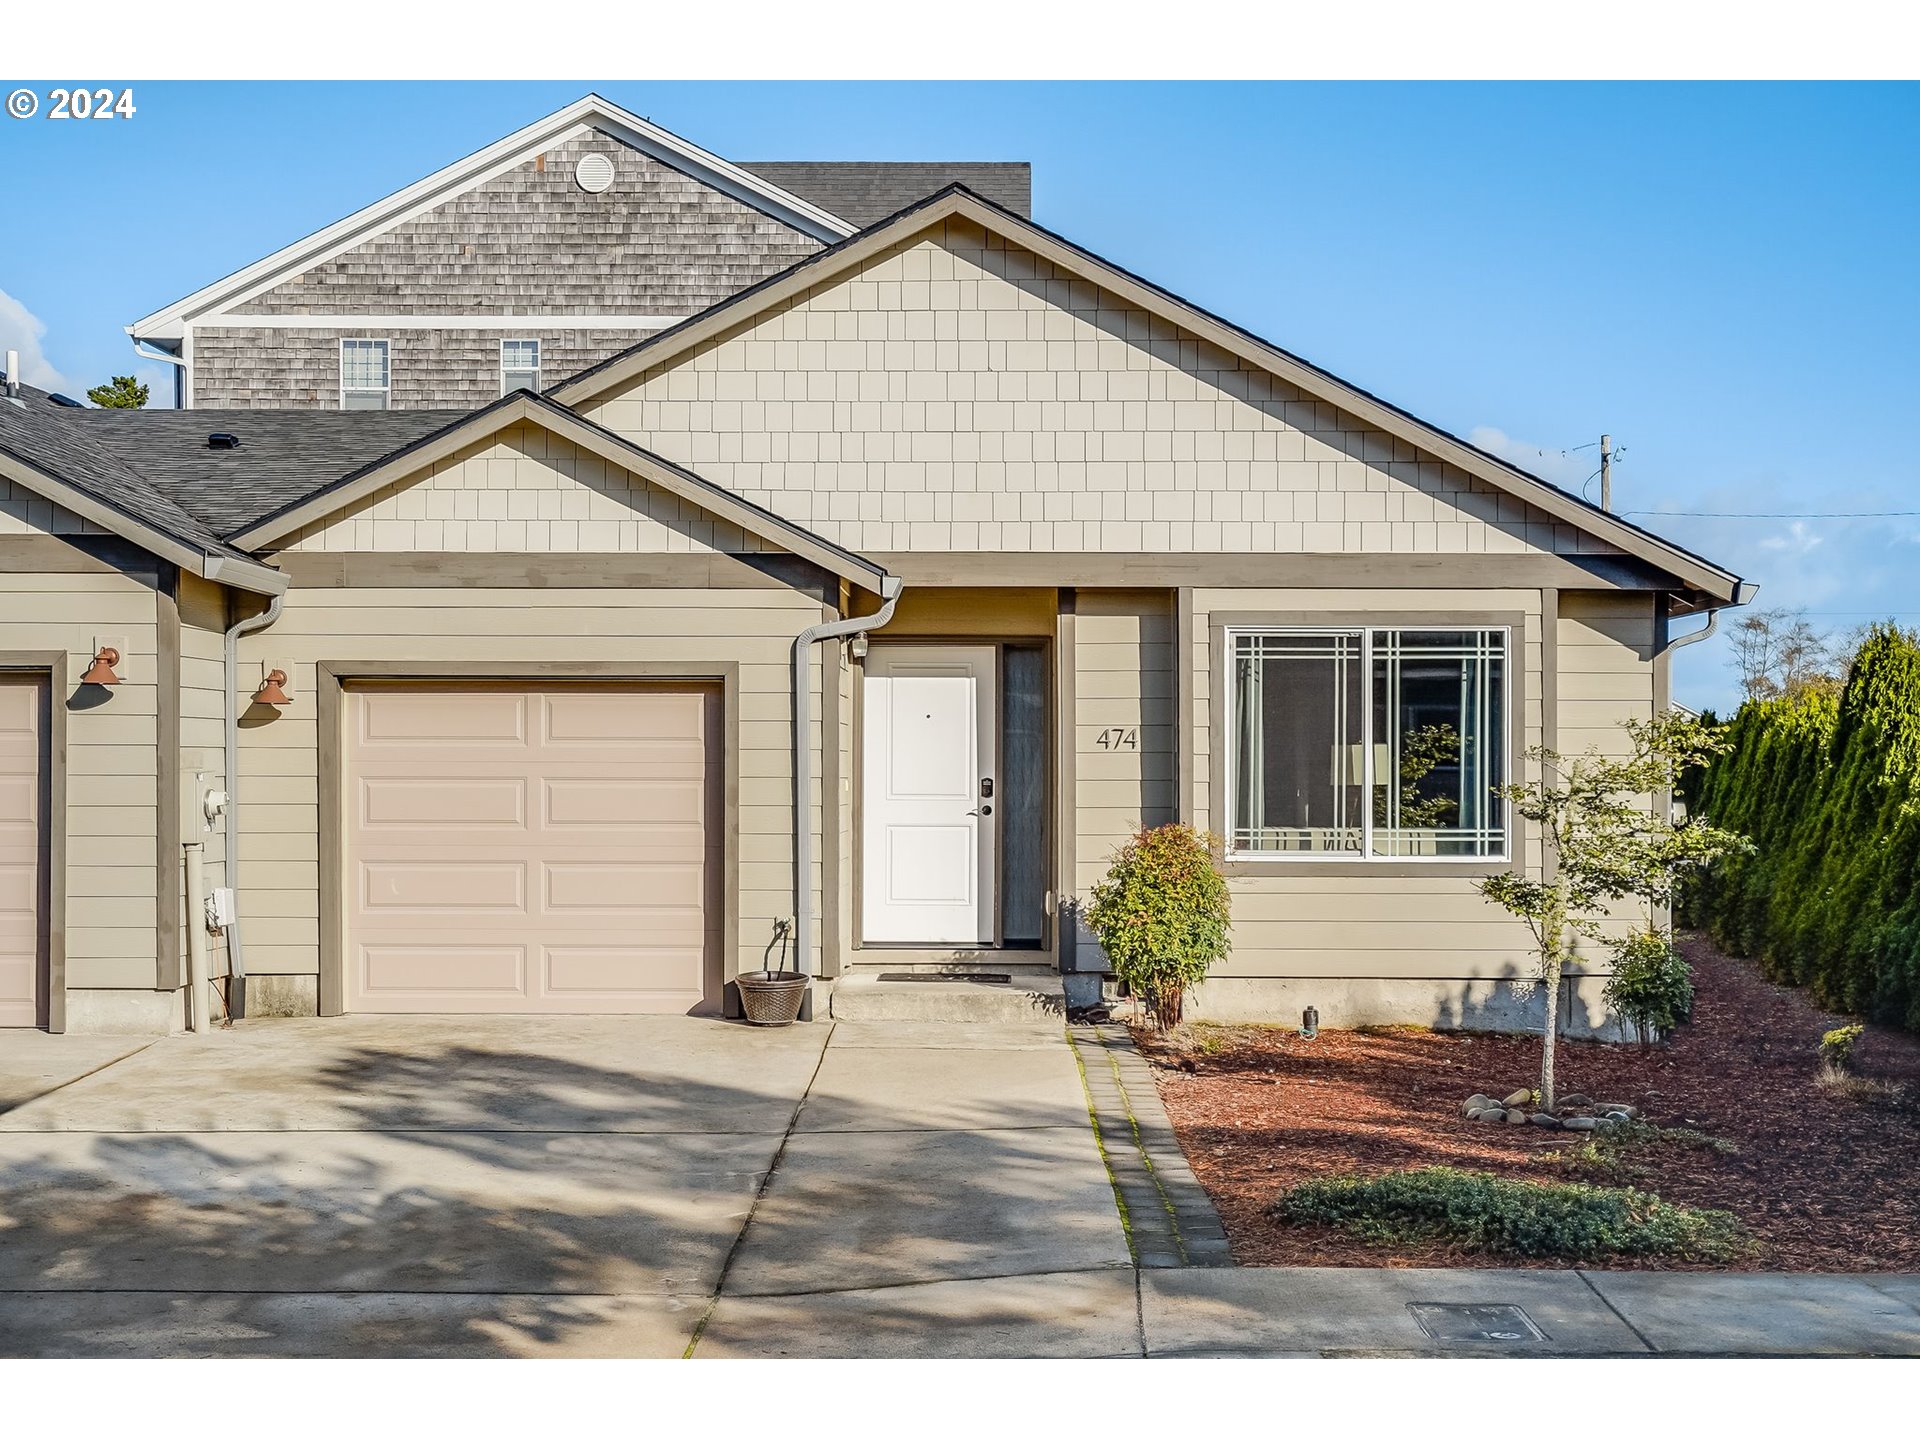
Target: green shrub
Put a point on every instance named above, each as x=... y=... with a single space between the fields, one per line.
x=1544 y=1221
x=1829 y=789
x=1836 y=1048
x=1651 y=986
x=1161 y=916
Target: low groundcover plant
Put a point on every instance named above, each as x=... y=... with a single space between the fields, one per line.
x=1478 y=1211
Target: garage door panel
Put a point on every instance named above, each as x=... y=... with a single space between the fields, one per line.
x=453 y=802
x=658 y=722
x=440 y=977
x=647 y=893
x=423 y=888
x=675 y=972
x=410 y=720
x=558 y=853
x=622 y=804
x=23 y=920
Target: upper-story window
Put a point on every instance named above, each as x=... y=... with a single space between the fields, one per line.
x=519 y=366
x=366 y=378
x=1367 y=744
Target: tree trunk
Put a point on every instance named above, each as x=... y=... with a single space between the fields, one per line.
x=1555 y=964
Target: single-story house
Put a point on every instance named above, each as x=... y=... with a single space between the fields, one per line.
x=496 y=710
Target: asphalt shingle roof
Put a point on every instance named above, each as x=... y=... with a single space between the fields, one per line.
x=863 y=191
x=46 y=436
x=283 y=455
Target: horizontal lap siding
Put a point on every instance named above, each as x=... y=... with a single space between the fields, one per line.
x=1123 y=681
x=203 y=619
x=1294 y=922
x=1606 y=677
x=112 y=763
x=279 y=867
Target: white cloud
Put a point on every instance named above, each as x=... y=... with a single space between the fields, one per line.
x=22 y=330
x=1569 y=469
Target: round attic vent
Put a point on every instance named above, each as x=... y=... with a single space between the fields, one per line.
x=593 y=174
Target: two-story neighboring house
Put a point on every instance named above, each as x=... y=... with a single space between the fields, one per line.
x=863 y=612
x=524 y=263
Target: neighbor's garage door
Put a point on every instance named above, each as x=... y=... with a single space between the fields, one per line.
x=537 y=850
x=23 y=916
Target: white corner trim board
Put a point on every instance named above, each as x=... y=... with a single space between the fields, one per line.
x=230 y=321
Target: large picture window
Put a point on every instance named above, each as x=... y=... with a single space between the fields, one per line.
x=1367 y=743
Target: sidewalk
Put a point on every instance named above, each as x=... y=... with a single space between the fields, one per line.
x=1251 y=1313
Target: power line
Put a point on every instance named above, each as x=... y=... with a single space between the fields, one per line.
x=1783 y=514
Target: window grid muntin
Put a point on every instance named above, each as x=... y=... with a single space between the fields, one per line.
x=1490 y=642
x=366 y=369
x=516 y=373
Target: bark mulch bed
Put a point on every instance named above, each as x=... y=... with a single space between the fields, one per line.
x=1825 y=1180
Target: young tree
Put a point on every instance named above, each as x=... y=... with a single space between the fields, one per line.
x=1776 y=652
x=1603 y=838
x=123 y=393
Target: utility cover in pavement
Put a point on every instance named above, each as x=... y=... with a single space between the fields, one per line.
x=1476 y=1322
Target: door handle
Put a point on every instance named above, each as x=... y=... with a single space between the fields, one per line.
x=983 y=810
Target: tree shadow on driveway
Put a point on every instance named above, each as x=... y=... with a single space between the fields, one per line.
x=451 y=1197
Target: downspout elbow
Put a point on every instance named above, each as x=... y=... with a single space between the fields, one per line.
x=891 y=587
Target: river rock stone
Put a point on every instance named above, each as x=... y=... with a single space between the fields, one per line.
x=1580 y=1122
x=1519 y=1097
x=1474 y=1102
x=1489 y=1112
x=1574 y=1102
x=1544 y=1120
x=1516 y=1117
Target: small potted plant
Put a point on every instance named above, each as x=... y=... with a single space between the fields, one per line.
x=773 y=996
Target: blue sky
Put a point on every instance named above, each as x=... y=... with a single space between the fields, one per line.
x=1722 y=276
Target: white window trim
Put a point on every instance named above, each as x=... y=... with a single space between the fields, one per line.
x=539 y=359
x=1365 y=854
x=340 y=360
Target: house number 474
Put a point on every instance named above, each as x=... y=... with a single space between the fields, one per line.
x=1119 y=737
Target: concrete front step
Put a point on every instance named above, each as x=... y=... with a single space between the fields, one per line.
x=874 y=993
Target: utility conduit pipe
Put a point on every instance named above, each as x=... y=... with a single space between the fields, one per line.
x=196 y=939
x=236 y=952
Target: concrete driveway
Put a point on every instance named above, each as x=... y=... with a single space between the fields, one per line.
x=527 y=1186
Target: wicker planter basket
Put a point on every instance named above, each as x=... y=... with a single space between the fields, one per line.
x=772 y=997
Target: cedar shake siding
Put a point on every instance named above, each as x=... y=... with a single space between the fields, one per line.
x=656 y=243
x=282 y=368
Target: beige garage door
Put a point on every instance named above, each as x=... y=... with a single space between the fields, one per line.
x=551 y=850
x=23 y=913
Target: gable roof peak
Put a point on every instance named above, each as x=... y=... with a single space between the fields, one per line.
x=1693 y=572
x=164 y=327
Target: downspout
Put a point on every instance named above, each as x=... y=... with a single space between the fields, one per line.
x=803 y=643
x=236 y=951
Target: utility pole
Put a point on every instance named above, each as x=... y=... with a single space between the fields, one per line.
x=1606 y=472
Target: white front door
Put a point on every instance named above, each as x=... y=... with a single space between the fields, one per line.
x=927 y=837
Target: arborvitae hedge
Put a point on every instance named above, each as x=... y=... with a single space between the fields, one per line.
x=1829 y=790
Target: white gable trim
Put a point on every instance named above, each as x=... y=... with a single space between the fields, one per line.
x=348 y=321
x=590 y=112
x=663 y=350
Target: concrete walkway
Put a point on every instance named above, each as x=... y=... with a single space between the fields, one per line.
x=599 y=1186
